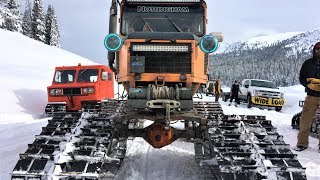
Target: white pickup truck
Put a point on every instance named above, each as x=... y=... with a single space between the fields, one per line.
x=261 y=92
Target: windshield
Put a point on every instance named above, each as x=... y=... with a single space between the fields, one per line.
x=160 y=18
x=88 y=75
x=266 y=84
x=64 y=76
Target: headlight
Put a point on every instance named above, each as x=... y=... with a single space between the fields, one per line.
x=88 y=90
x=113 y=42
x=55 y=92
x=209 y=44
x=281 y=95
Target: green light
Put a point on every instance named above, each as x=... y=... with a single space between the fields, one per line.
x=113 y=42
x=209 y=44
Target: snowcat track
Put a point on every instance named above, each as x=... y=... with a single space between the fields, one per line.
x=74 y=146
x=295 y=122
x=244 y=147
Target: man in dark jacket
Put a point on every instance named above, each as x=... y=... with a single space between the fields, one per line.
x=310 y=79
x=234 y=93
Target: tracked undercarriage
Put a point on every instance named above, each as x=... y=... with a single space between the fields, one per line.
x=92 y=146
x=75 y=146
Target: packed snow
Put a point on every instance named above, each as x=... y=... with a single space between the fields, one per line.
x=26 y=70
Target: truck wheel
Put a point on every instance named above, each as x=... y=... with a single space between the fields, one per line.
x=249 y=101
x=278 y=109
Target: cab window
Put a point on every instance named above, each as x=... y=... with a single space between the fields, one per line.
x=64 y=76
x=88 y=75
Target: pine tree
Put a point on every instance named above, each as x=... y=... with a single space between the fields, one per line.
x=27 y=20
x=38 y=24
x=12 y=20
x=55 y=34
x=3 y=10
x=52 y=29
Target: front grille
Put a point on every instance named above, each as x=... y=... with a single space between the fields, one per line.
x=269 y=94
x=71 y=91
x=166 y=61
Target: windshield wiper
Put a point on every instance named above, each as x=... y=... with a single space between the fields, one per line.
x=175 y=26
x=82 y=72
x=145 y=22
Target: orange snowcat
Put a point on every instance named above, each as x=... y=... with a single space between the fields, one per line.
x=79 y=87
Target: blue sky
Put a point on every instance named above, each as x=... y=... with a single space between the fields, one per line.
x=84 y=23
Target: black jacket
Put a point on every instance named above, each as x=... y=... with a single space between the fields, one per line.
x=235 y=89
x=310 y=69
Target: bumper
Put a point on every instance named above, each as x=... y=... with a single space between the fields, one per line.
x=274 y=102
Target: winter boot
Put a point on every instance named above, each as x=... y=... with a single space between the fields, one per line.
x=300 y=148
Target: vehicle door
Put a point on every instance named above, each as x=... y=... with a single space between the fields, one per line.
x=244 y=87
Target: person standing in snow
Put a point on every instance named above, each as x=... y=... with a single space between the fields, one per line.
x=217 y=89
x=310 y=78
x=234 y=92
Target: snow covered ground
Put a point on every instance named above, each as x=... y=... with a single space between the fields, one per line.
x=26 y=70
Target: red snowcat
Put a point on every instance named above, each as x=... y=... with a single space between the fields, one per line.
x=79 y=87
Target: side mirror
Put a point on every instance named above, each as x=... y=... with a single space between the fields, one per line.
x=246 y=86
x=104 y=76
x=218 y=35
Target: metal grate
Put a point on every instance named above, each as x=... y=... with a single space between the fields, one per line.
x=269 y=94
x=166 y=62
x=71 y=91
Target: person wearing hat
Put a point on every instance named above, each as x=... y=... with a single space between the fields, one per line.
x=234 y=93
x=310 y=78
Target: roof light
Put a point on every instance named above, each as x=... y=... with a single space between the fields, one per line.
x=113 y=42
x=209 y=44
x=164 y=48
x=163 y=0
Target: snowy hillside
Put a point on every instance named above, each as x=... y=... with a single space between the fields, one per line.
x=26 y=70
x=298 y=41
x=278 y=57
x=302 y=43
x=23 y=57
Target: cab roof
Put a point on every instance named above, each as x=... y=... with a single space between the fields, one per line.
x=83 y=66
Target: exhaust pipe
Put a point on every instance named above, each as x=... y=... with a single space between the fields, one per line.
x=112 y=29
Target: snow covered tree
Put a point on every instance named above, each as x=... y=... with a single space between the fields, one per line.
x=52 y=29
x=38 y=24
x=55 y=34
x=3 y=11
x=12 y=19
x=27 y=20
